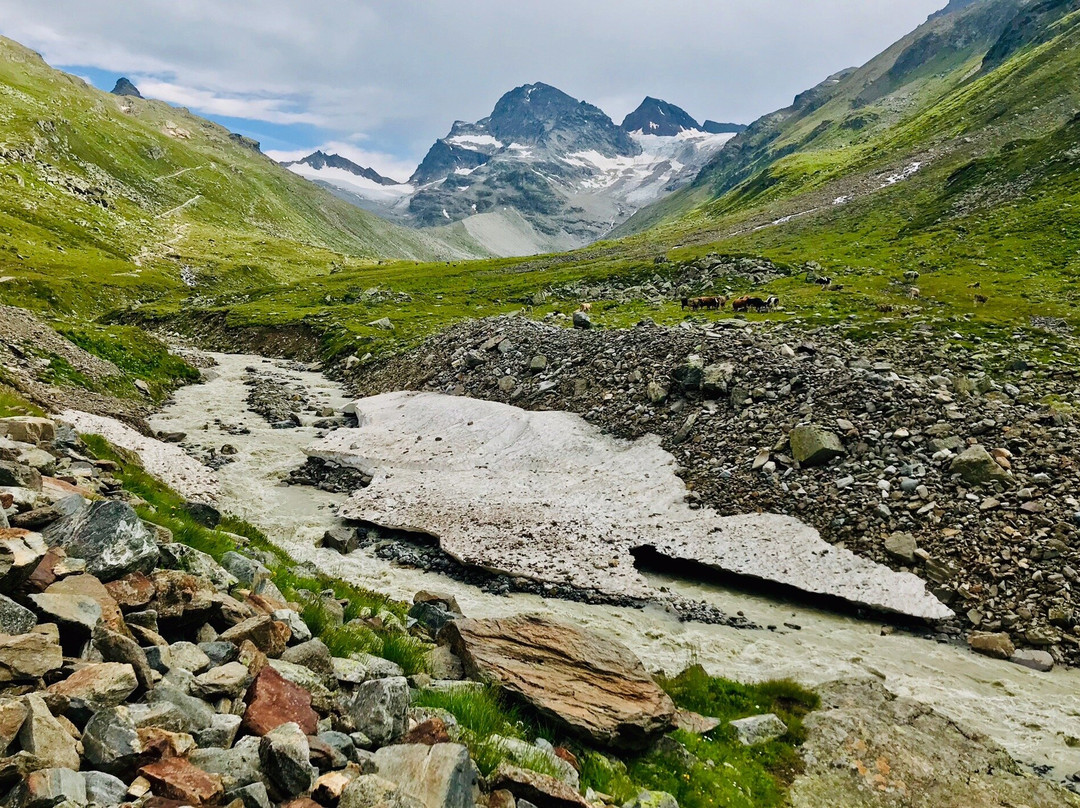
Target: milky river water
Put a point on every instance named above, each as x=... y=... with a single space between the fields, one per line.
x=1031 y=714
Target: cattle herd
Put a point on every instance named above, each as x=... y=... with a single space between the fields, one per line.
x=739 y=304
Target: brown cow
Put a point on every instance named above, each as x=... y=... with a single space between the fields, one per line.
x=746 y=303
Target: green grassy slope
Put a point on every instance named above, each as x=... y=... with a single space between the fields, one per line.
x=105 y=200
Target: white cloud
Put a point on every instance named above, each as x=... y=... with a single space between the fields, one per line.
x=403 y=70
x=271 y=110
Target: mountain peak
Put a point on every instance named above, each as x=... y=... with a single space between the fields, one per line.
x=318 y=160
x=125 y=87
x=657 y=117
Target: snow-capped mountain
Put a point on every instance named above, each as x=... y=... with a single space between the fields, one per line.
x=543 y=172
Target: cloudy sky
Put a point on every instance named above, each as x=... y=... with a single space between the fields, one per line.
x=380 y=80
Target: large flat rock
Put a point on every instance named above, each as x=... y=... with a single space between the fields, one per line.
x=545 y=495
x=586 y=682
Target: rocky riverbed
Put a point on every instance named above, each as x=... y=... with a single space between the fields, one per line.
x=1033 y=715
x=922 y=460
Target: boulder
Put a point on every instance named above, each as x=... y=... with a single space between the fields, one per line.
x=814 y=446
x=286 y=759
x=440 y=776
x=96 y=687
x=313 y=655
x=111 y=741
x=372 y=791
x=758 y=729
x=191 y=714
x=26 y=657
x=188 y=656
x=341 y=539
x=115 y=647
x=542 y=790
x=587 y=683
x=159 y=744
x=49 y=787
x=20 y=553
x=582 y=321
x=111 y=538
x=268 y=635
x=716 y=379
x=182 y=597
x=238 y=766
x=528 y=755
x=25 y=429
x=253 y=795
x=91 y=587
x=689 y=375
x=44 y=737
x=998 y=646
x=134 y=591
x=177 y=779
x=178 y=556
x=272 y=701
x=976 y=466
x=203 y=513
x=379 y=708
x=1036 y=660
x=221 y=732
x=77 y=615
x=427 y=733
x=226 y=681
x=104 y=789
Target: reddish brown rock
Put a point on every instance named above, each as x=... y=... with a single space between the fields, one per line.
x=301 y=802
x=268 y=635
x=589 y=684
x=252 y=658
x=45 y=574
x=264 y=605
x=272 y=700
x=563 y=753
x=177 y=779
x=542 y=790
x=428 y=733
x=501 y=799
x=132 y=592
x=6 y=501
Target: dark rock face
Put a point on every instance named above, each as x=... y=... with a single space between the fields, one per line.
x=125 y=87
x=110 y=537
x=320 y=159
x=245 y=141
x=715 y=128
x=656 y=117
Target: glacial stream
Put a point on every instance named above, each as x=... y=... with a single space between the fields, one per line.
x=1031 y=714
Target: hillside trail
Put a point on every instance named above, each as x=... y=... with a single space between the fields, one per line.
x=1034 y=716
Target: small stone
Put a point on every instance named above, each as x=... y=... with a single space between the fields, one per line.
x=976 y=466
x=814 y=446
x=901 y=546
x=998 y=646
x=1036 y=660
x=758 y=729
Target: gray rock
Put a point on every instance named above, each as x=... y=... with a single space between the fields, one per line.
x=111 y=740
x=227 y=681
x=286 y=755
x=238 y=766
x=758 y=729
x=1036 y=660
x=15 y=619
x=716 y=379
x=814 y=446
x=221 y=732
x=18 y=475
x=104 y=789
x=372 y=791
x=48 y=788
x=525 y=754
x=341 y=743
x=379 y=708
x=341 y=539
x=178 y=556
x=253 y=795
x=440 y=776
x=363 y=668
x=110 y=537
x=976 y=466
x=582 y=321
x=162 y=716
x=219 y=652
x=902 y=546
x=651 y=799
x=300 y=631
x=246 y=570
x=313 y=655
x=96 y=687
x=195 y=713
x=690 y=374
x=76 y=613
x=189 y=657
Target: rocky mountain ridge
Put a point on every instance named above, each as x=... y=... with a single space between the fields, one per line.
x=543 y=172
